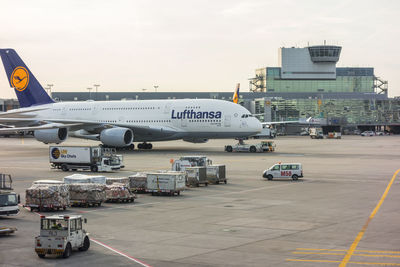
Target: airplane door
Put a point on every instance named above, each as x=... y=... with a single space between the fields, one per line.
x=227 y=121
x=167 y=108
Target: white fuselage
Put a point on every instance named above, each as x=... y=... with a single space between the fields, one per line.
x=188 y=119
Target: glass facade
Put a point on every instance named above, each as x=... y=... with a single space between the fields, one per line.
x=335 y=111
x=347 y=80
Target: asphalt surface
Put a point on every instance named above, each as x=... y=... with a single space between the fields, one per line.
x=248 y=222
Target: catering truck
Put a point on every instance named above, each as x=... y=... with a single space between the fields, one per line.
x=94 y=158
x=8 y=199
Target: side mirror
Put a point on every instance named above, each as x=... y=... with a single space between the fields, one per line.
x=85 y=220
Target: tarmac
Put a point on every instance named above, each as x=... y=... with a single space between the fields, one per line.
x=344 y=212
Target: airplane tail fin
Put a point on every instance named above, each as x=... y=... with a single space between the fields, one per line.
x=236 y=94
x=27 y=88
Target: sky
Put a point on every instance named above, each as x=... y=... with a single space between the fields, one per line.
x=185 y=45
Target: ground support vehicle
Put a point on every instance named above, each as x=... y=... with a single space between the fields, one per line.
x=94 y=158
x=190 y=161
x=138 y=182
x=47 y=197
x=60 y=234
x=263 y=146
x=118 y=192
x=284 y=170
x=8 y=199
x=266 y=132
x=87 y=195
x=216 y=174
x=367 y=133
x=169 y=183
x=5 y=230
x=196 y=176
x=334 y=135
x=316 y=133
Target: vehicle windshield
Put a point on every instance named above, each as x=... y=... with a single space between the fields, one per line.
x=115 y=161
x=54 y=224
x=8 y=200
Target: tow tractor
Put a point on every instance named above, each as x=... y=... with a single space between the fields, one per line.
x=60 y=234
x=8 y=199
x=263 y=146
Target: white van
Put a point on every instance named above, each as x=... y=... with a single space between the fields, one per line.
x=284 y=170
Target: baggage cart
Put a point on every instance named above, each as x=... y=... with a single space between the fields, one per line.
x=169 y=183
x=216 y=174
x=196 y=176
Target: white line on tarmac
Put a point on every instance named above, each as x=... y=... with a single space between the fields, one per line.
x=120 y=253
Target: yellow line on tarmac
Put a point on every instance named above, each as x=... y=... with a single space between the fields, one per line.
x=358 y=250
x=353 y=246
x=318 y=253
x=355 y=254
x=351 y=262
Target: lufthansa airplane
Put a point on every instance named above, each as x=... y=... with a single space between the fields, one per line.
x=118 y=123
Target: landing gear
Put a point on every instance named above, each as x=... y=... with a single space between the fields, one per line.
x=145 y=146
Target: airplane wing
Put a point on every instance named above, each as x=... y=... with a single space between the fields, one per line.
x=10 y=129
x=20 y=113
x=278 y=122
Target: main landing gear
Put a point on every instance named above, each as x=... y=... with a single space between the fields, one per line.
x=145 y=146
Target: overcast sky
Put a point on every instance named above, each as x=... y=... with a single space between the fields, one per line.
x=189 y=45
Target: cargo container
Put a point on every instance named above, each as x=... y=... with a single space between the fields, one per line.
x=138 y=182
x=196 y=176
x=118 y=192
x=47 y=197
x=170 y=183
x=216 y=174
x=86 y=194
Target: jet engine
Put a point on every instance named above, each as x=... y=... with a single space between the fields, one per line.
x=116 y=137
x=195 y=140
x=57 y=135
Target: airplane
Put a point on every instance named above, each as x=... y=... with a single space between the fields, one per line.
x=118 y=123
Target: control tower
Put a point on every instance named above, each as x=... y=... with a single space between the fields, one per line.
x=313 y=62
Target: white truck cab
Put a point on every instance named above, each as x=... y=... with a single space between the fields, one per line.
x=284 y=170
x=60 y=234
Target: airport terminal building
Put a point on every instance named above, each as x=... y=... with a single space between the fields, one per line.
x=306 y=84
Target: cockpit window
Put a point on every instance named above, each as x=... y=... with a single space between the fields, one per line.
x=247 y=115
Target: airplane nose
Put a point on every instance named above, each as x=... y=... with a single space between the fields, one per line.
x=257 y=126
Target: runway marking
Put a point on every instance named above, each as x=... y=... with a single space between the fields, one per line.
x=353 y=246
x=351 y=262
x=358 y=250
x=355 y=254
x=120 y=253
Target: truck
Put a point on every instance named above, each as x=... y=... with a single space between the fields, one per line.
x=316 y=133
x=8 y=199
x=267 y=131
x=60 y=234
x=263 y=146
x=190 y=161
x=94 y=158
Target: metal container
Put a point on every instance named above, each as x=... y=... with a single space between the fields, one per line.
x=196 y=176
x=168 y=182
x=216 y=173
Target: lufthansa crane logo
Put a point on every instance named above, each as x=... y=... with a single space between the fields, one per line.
x=20 y=78
x=55 y=153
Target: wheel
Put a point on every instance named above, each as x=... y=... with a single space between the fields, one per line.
x=179 y=193
x=269 y=177
x=64 y=168
x=67 y=251
x=132 y=147
x=206 y=184
x=86 y=244
x=225 y=181
x=229 y=149
x=94 y=168
x=140 y=146
x=149 y=146
x=295 y=177
x=41 y=255
x=253 y=149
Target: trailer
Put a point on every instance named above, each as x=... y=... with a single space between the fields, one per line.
x=47 y=197
x=9 y=200
x=169 y=183
x=138 y=182
x=5 y=230
x=94 y=158
x=216 y=174
x=87 y=194
x=118 y=192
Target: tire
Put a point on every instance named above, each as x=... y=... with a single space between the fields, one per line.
x=94 y=168
x=67 y=251
x=225 y=181
x=295 y=177
x=64 y=168
x=41 y=255
x=269 y=177
x=253 y=149
x=86 y=244
x=139 y=146
x=229 y=149
x=149 y=146
x=132 y=147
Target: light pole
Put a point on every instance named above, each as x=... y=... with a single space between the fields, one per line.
x=49 y=88
x=97 y=86
x=90 y=92
x=155 y=88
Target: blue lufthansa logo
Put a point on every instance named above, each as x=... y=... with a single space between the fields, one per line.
x=191 y=114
